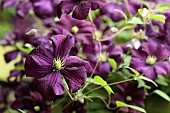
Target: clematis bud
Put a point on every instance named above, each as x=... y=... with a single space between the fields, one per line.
x=33 y=32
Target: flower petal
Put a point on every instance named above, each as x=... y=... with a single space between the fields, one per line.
x=75 y=77
x=52 y=83
x=62 y=45
x=162 y=68
x=39 y=63
x=11 y=55
x=73 y=61
x=81 y=10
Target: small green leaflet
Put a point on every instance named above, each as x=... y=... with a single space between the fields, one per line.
x=133 y=70
x=122 y=104
x=162 y=94
x=103 y=83
x=143 y=12
x=163 y=7
x=22 y=111
x=147 y=79
x=112 y=63
x=158 y=17
x=136 y=20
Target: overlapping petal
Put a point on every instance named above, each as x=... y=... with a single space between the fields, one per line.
x=52 y=83
x=75 y=77
x=39 y=63
x=62 y=45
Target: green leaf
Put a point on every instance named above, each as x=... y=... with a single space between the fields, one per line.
x=112 y=63
x=133 y=70
x=162 y=94
x=22 y=111
x=143 y=12
x=141 y=83
x=162 y=80
x=136 y=20
x=124 y=15
x=147 y=79
x=103 y=83
x=158 y=17
x=25 y=50
x=20 y=67
x=122 y=104
x=163 y=7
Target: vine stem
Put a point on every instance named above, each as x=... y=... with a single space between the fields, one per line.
x=118 y=32
x=154 y=65
x=119 y=82
x=107 y=104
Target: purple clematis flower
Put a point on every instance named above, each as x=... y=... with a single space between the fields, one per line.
x=130 y=94
x=49 y=67
x=81 y=7
x=146 y=56
x=80 y=29
x=29 y=99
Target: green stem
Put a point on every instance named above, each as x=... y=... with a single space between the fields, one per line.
x=109 y=85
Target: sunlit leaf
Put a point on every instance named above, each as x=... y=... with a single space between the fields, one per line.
x=162 y=94
x=103 y=83
x=158 y=17
x=112 y=63
x=133 y=70
x=136 y=20
x=122 y=104
x=147 y=79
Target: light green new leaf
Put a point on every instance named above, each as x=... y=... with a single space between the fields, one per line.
x=133 y=70
x=143 y=12
x=163 y=7
x=122 y=104
x=112 y=63
x=162 y=94
x=158 y=17
x=136 y=20
x=103 y=83
x=147 y=79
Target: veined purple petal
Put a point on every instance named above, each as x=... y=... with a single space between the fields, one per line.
x=66 y=7
x=73 y=61
x=151 y=74
x=62 y=45
x=39 y=63
x=52 y=83
x=163 y=68
x=75 y=77
x=23 y=9
x=95 y=4
x=149 y=48
x=82 y=9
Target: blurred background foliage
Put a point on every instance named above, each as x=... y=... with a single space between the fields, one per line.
x=153 y=103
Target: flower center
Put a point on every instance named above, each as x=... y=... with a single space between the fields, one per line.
x=37 y=108
x=128 y=98
x=102 y=56
x=74 y=29
x=141 y=35
x=98 y=35
x=151 y=59
x=58 y=64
